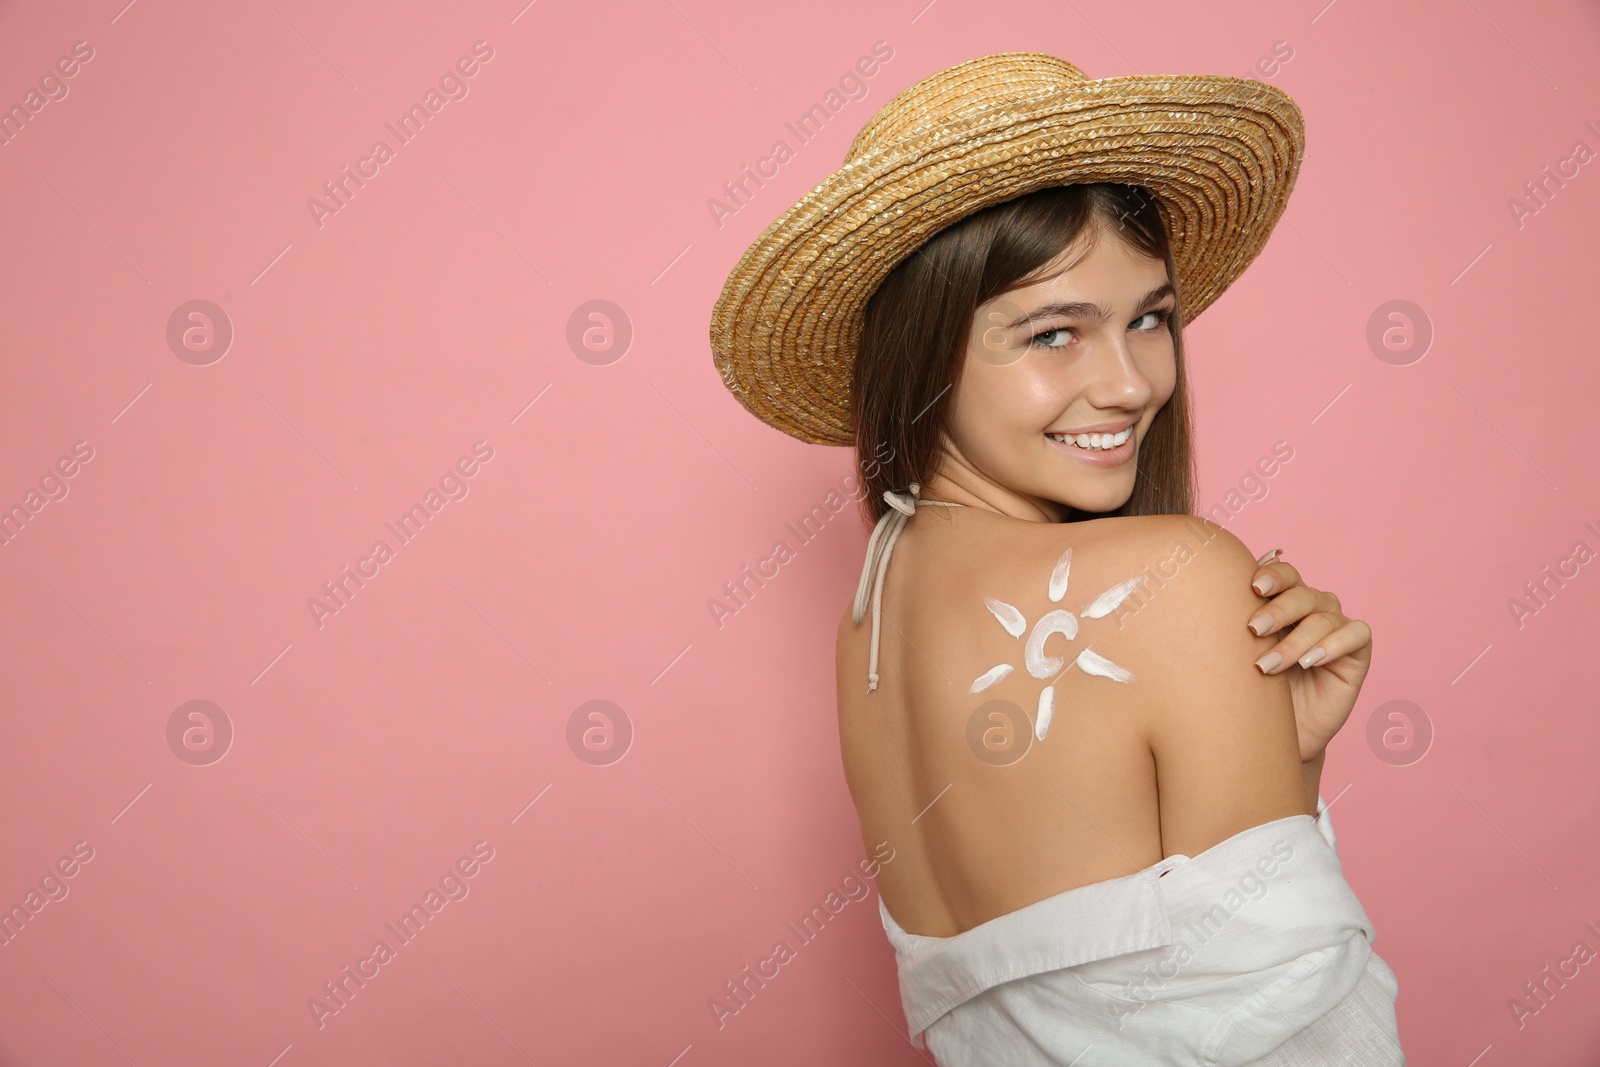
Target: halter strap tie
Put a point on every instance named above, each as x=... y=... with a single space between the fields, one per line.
x=879 y=548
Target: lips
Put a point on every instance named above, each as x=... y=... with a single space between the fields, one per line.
x=1094 y=441
x=1103 y=458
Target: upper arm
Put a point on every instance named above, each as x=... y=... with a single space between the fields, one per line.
x=1222 y=733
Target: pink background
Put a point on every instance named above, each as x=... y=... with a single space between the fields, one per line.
x=371 y=752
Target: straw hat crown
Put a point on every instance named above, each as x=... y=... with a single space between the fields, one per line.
x=964 y=91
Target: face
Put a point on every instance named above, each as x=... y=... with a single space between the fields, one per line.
x=1085 y=350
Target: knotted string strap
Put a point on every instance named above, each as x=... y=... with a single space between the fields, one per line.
x=879 y=548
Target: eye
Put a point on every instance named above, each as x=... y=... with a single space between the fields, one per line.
x=1041 y=339
x=1161 y=315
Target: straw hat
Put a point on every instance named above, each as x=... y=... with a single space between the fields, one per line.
x=1220 y=154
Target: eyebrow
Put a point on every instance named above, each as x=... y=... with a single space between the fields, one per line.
x=1083 y=309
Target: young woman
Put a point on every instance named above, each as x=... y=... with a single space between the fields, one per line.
x=1101 y=787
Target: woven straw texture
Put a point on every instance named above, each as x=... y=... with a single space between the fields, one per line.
x=1220 y=154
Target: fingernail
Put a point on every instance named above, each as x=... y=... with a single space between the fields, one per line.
x=1264 y=584
x=1312 y=658
x=1269 y=662
x=1268 y=558
x=1260 y=624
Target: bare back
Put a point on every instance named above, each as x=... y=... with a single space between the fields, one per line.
x=985 y=818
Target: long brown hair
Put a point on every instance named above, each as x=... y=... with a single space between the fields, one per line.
x=914 y=339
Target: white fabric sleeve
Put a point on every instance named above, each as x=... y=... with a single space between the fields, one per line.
x=1325 y=824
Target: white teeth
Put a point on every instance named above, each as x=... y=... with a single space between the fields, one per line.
x=1095 y=441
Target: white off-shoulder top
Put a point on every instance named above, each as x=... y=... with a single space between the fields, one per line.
x=1256 y=951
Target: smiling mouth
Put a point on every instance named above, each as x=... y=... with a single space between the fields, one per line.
x=1093 y=442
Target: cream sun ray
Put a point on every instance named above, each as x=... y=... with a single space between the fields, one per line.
x=989 y=677
x=1107 y=602
x=1008 y=616
x=1058 y=576
x=1091 y=662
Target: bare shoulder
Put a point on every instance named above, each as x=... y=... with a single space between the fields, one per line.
x=985 y=582
x=986 y=607
x=1106 y=572
x=1190 y=601
x=1222 y=733
x=1128 y=626
x=1187 y=570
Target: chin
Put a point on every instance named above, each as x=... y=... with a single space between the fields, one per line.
x=1098 y=500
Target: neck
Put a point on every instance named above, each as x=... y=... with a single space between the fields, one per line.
x=964 y=486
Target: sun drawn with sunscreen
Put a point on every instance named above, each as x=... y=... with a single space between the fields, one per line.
x=1058 y=621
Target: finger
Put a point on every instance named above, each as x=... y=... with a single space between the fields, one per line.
x=1274 y=577
x=1320 y=640
x=1353 y=639
x=1311 y=631
x=1286 y=609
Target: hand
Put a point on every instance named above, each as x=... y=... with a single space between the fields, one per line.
x=1311 y=621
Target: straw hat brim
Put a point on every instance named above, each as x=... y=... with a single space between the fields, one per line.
x=1220 y=154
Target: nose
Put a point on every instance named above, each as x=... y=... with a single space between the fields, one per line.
x=1115 y=378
